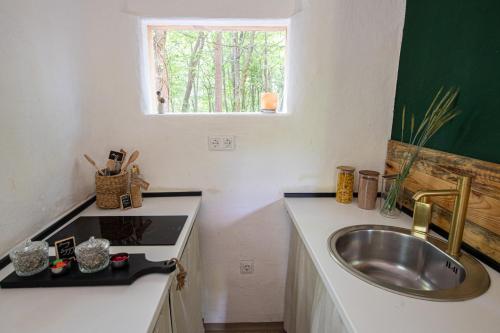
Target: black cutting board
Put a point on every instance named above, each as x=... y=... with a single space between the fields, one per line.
x=138 y=266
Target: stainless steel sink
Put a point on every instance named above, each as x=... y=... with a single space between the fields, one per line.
x=392 y=259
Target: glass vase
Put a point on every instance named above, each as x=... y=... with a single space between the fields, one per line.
x=391 y=196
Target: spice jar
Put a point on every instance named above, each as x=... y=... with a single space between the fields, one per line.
x=367 y=189
x=30 y=258
x=345 y=183
x=92 y=255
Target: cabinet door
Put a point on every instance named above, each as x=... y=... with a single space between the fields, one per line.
x=308 y=306
x=186 y=303
x=163 y=324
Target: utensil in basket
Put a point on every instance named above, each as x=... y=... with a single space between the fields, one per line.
x=91 y=161
x=131 y=159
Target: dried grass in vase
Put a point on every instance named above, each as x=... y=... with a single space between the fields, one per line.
x=441 y=111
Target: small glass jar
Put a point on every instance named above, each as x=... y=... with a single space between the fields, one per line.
x=30 y=258
x=92 y=255
x=345 y=184
x=368 y=189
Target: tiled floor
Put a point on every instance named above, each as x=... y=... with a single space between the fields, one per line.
x=245 y=328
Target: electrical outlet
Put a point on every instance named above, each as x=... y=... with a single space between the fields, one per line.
x=246 y=266
x=214 y=143
x=221 y=142
x=228 y=142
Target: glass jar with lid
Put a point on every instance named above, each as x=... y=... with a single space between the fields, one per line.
x=368 y=189
x=92 y=255
x=30 y=257
x=345 y=183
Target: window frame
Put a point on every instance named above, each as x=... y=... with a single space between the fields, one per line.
x=148 y=68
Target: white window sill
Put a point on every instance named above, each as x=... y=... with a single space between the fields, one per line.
x=220 y=114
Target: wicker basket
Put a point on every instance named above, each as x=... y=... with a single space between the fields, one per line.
x=109 y=189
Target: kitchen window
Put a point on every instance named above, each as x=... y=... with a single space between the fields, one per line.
x=216 y=68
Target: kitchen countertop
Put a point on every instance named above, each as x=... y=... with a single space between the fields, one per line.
x=365 y=308
x=131 y=308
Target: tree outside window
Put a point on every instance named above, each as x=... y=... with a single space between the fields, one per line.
x=212 y=69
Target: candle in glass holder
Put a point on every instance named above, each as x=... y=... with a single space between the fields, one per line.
x=268 y=101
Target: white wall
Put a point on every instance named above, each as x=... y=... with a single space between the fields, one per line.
x=214 y=9
x=343 y=59
x=71 y=84
x=41 y=116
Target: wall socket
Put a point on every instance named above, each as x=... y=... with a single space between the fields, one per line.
x=246 y=266
x=221 y=142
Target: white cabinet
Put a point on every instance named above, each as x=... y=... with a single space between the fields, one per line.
x=164 y=324
x=181 y=311
x=185 y=304
x=308 y=306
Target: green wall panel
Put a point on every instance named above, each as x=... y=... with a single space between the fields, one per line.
x=453 y=43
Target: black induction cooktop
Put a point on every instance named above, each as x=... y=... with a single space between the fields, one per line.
x=124 y=230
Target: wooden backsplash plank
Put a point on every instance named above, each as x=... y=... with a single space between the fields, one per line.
x=444 y=165
x=437 y=170
x=483 y=210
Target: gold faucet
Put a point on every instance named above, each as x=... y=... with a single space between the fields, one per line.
x=423 y=209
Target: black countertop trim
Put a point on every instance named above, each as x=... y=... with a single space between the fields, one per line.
x=63 y=220
x=310 y=195
x=466 y=247
x=316 y=194
x=171 y=194
x=4 y=261
x=77 y=210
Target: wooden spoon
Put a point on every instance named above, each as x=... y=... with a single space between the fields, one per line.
x=131 y=159
x=91 y=161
